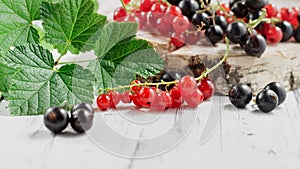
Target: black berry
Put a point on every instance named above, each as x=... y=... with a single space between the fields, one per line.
x=240 y=9
x=214 y=33
x=267 y=100
x=56 y=119
x=174 y=2
x=237 y=32
x=221 y=21
x=232 y=2
x=189 y=7
x=297 y=34
x=169 y=76
x=240 y=95
x=279 y=89
x=255 y=4
x=200 y=18
x=255 y=45
x=287 y=30
x=82 y=116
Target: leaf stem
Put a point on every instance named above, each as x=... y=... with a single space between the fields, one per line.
x=203 y=75
x=80 y=61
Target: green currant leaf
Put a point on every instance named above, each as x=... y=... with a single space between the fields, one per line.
x=39 y=85
x=6 y=74
x=16 y=18
x=122 y=62
x=112 y=34
x=70 y=24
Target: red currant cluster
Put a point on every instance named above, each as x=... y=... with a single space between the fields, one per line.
x=167 y=19
x=145 y=95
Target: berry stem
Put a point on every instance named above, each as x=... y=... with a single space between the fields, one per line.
x=204 y=74
x=124 y=6
x=80 y=61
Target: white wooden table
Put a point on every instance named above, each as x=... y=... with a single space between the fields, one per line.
x=215 y=135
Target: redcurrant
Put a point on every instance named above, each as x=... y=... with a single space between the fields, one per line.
x=195 y=98
x=103 y=102
x=207 y=88
x=126 y=97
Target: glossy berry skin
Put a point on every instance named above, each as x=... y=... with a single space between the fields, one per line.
x=232 y=2
x=207 y=88
x=187 y=85
x=192 y=38
x=119 y=14
x=164 y=25
x=194 y=99
x=297 y=34
x=236 y=32
x=174 y=2
x=126 y=97
x=103 y=102
x=287 y=14
x=214 y=33
x=135 y=100
x=279 y=89
x=272 y=11
x=273 y=34
x=177 y=39
x=160 y=101
x=56 y=119
x=82 y=116
x=173 y=11
x=200 y=18
x=267 y=101
x=176 y=97
x=255 y=4
x=145 y=97
x=146 y=5
x=255 y=45
x=181 y=23
x=240 y=9
x=142 y=19
x=240 y=95
x=189 y=7
x=114 y=98
x=126 y=1
x=221 y=21
x=287 y=30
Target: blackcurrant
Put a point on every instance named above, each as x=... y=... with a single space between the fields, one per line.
x=255 y=14
x=174 y=2
x=221 y=21
x=237 y=32
x=56 y=119
x=240 y=95
x=287 y=30
x=1 y=98
x=267 y=100
x=232 y=2
x=189 y=7
x=279 y=89
x=255 y=4
x=240 y=9
x=255 y=45
x=82 y=116
x=214 y=33
x=297 y=34
x=201 y=18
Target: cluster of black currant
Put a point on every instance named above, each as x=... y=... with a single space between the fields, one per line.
x=81 y=116
x=267 y=100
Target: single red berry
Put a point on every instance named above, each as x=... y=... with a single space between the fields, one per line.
x=158 y=7
x=159 y=102
x=126 y=97
x=187 y=85
x=114 y=98
x=135 y=100
x=168 y=98
x=207 y=88
x=145 y=96
x=194 y=99
x=192 y=38
x=176 y=97
x=135 y=89
x=177 y=39
x=119 y=14
x=146 y=5
x=174 y=10
x=164 y=25
x=272 y=11
x=103 y=102
x=181 y=23
x=142 y=18
x=273 y=34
